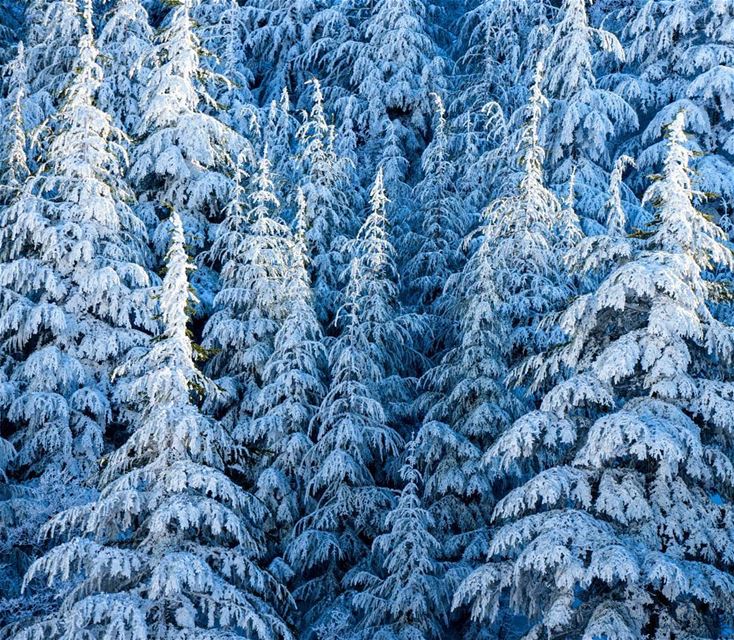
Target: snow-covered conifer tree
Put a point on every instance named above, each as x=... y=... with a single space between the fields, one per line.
x=396 y=68
x=14 y=139
x=501 y=45
x=280 y=35
x=186 y=153
x=439 y=224
x=568 y=227
x=465 y=403
x=407 y=596
x=329 y=217
x=681 y=56
x=125 y=42
x=17 y=530
x=624 y=527
x=170 y=547
x=73 y=263
x=353 y=435
x=521 y=228
x=334 y=29
x=616 y=214
x=278 y=133
x=481 y=144
x=54 y=30
x=251 y=247
x=222 y=28
x=293 y=388
x=505 y=290
x=584 y=120
x=389 y=151
x=11 y=19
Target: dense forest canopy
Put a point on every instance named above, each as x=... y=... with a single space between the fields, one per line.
x=366 y=319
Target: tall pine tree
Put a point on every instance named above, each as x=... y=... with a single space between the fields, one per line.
x=405 y=596
x=73 y=273
x=185 y=155
x=624 y=525
x=585 y=119
x=170 y=548
x=293 y=388
x=346 y=494
x=252 y=247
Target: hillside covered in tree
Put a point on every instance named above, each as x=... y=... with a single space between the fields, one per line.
x=366 y=319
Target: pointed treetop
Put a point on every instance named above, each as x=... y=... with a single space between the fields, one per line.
x=569 y=227
x=374 y=229
x=678 y=226
x=370 y=292
x=677 y=160
x=14 y=161
x=570 y=200
x=87 y=14
x=616 y=217
x=88 y=73
x=240 y=175
x=377 y=194
x=317 y=98
x=533 y=152
x=409 y=471
x=176 y=294
x=285 y=100
x=264 y=188
x=16 y=70
x=279 y=107
x=440 y=108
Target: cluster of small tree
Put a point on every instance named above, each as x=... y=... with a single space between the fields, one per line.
x=381 y=319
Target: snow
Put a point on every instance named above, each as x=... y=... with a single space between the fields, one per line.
x=392 y=319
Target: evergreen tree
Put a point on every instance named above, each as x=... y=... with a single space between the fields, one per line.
x=508 y=286
x=73 y=265
x=439 y=225
x=280 y=34
x=14 y=158
x=11 y=21
x=396 y=68
x=13 y=173
x=585 y=120
x=252 y=247
x=335 y=45
x=390 y=151
x=329 y=218
x=185 y=153
x=222 y=26
x=72 y=278
x=170 y=548
x=499 y=44
x=293 y=388
x=53 y=33
x=502 y=41
x=279 y=134
x=353 y=436
x=124 y=42
x=407 y=598
x=523 y=225
x=568 y=227
x=681 y=56
x=624 y=525
x=480 y=144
